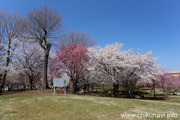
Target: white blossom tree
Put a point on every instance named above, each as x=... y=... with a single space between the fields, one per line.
x=29 y=61
x=11 y=29
x=123 y=66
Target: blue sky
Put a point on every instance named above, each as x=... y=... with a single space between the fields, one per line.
x=141 y=25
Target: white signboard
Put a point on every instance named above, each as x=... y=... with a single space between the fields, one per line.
x=60 y=82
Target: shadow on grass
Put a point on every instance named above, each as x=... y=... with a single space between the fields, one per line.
x=100 y=94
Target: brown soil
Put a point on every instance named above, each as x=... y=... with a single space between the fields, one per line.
x=35 y=92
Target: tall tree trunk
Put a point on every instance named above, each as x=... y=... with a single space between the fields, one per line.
x=45 y=80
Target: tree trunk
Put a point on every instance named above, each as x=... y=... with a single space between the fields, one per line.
x=130 y=93
x=169 y=89
x=103 y=87
x=84 y=88
x=74 y=88
x=115 y=89
x=51 y=82
x=24 y=86
x=163 y=88
x=45 y=80
x=154 y=89
x=31 y=84
x=3 y=81
x=71 y=86
x=31 y=81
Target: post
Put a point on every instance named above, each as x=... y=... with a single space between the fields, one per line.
x=65 y=90
x=64 y=87
x=54 y=90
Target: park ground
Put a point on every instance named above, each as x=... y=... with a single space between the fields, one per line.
x=44 y=105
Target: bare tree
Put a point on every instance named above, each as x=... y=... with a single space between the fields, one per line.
x=11 y=29
x=44 y=25
x=78 y=38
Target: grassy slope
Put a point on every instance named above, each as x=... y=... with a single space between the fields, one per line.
x=69 y=107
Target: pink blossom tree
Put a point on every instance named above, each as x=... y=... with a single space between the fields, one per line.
x=167 y=81
x=179 y=81
x=53 y=70
x=72 y=60
x=174 y=83
x=164 y=80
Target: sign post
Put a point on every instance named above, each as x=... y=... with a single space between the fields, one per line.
x=65 y=87
x=60 y=82
x=54 y=90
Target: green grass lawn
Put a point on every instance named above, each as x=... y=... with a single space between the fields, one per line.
x=80 y=107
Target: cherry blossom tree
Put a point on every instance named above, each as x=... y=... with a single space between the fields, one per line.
x=123 y=66
x=178 y=81
x=175 y=83
x=29 y=61
x=72 y=59
x=107 y=61
x=53 y=71
x=167 y=80
x=14 y=80
x=163 y=79
x=11 y=30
